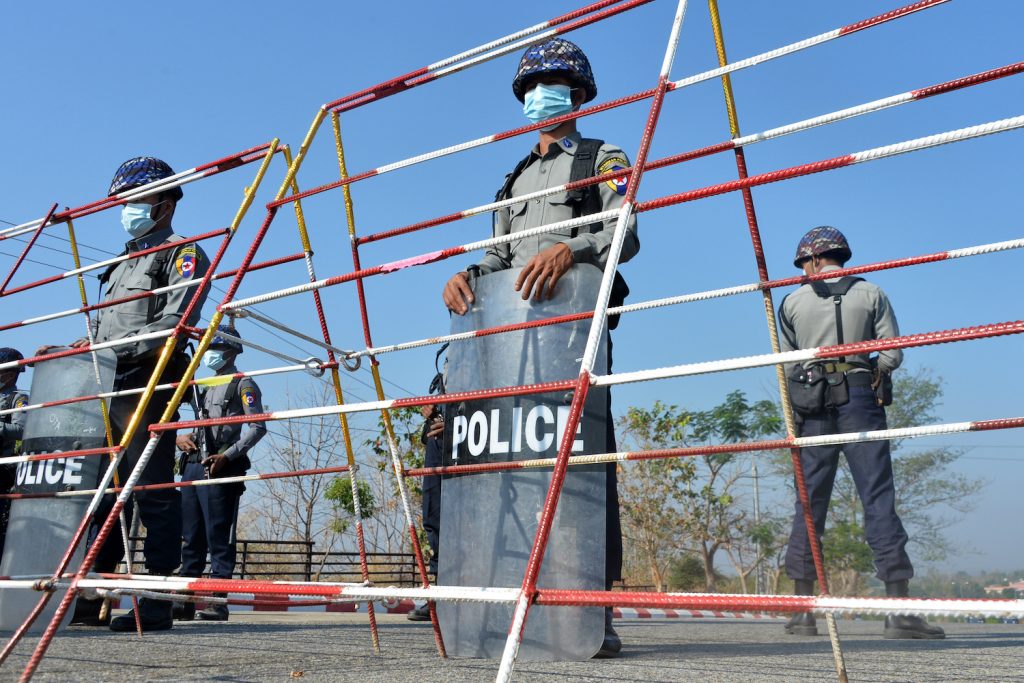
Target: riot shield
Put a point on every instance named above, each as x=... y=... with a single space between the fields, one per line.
x=489 y=521
x=40 y=530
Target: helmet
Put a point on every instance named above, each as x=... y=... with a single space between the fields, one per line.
x=221 y=342
x=823 y=240
x=142 y=171
x=9 y=355
x=557 y=55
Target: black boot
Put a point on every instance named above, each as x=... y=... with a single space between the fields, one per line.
x=184 y=611
x=899 y=627
x=421 y=613
x=216 y=611
x=88 y=613
x=802 y=623
x=611 y=646
x=155 y=616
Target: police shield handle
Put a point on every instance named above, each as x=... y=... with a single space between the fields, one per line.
x=40 y=530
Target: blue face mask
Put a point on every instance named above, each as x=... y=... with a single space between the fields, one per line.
x=214 y=359
x=135 y=217
x=546 y=101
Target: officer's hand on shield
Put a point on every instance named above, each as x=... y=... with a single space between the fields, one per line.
x=49 y=348
x=457 y=292
x=543 y=272
x=186 y=443
x=215 y=463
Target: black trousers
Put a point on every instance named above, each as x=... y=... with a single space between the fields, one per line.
x=871 y=466
x=432 y=500
x=209 y=515
x=160 y=510
x=613 y=527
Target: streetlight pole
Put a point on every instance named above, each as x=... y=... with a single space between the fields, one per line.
x=759 y=582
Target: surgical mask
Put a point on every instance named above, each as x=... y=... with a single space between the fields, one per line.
x=136 y=218
x=214 y=359
x=547 y=101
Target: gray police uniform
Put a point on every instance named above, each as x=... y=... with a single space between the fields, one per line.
x=12 y=429
x=806 y=321
x=209 y=513
x=588 y=244
x=161 y=509
x=551 y=170
x=12 y=425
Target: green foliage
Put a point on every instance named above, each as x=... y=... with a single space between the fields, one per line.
x=407 y=424
x=339 y=492
x=691 y=502
x=651 y=522
x=845 y=548
x=686 y=573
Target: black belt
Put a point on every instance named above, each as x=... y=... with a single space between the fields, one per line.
x=195 y=457
x=858 y=379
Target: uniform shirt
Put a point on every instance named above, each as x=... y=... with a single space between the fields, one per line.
x=12 y=426
x=244 y=400
x=150 y=314
x=806 y=320
x=548 y=171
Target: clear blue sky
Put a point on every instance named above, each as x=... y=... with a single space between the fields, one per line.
x=89 y=85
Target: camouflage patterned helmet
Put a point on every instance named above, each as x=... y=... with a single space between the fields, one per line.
x=219 y=341
x=142 y=171
x=821 y=241
x=9 y=355
x=557 y=55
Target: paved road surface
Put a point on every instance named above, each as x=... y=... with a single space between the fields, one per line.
x=336 y=647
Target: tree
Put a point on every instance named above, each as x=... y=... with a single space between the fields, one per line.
x=713 y=515
x=388 y=531
x=758 y=546
x=676 y=505
x=650 y=521
x=293 y=508
x=296 y=508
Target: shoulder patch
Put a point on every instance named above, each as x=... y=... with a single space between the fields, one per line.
x=186 y=261
x=248 y=395
x=21 y=401
x=615 y=163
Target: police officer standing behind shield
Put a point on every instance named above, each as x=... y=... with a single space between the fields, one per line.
x=209 y=513
x=12 y=426
x=147 y=220
x=852 y=398
x=555 y=78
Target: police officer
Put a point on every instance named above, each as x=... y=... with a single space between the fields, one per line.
x=431 y=436
x=209 y=513
x=555 y=78
x=847 y=310
x=12 y=427
x=147 y=220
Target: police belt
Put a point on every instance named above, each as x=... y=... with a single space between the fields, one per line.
x=194 y=457
x=854 y=379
